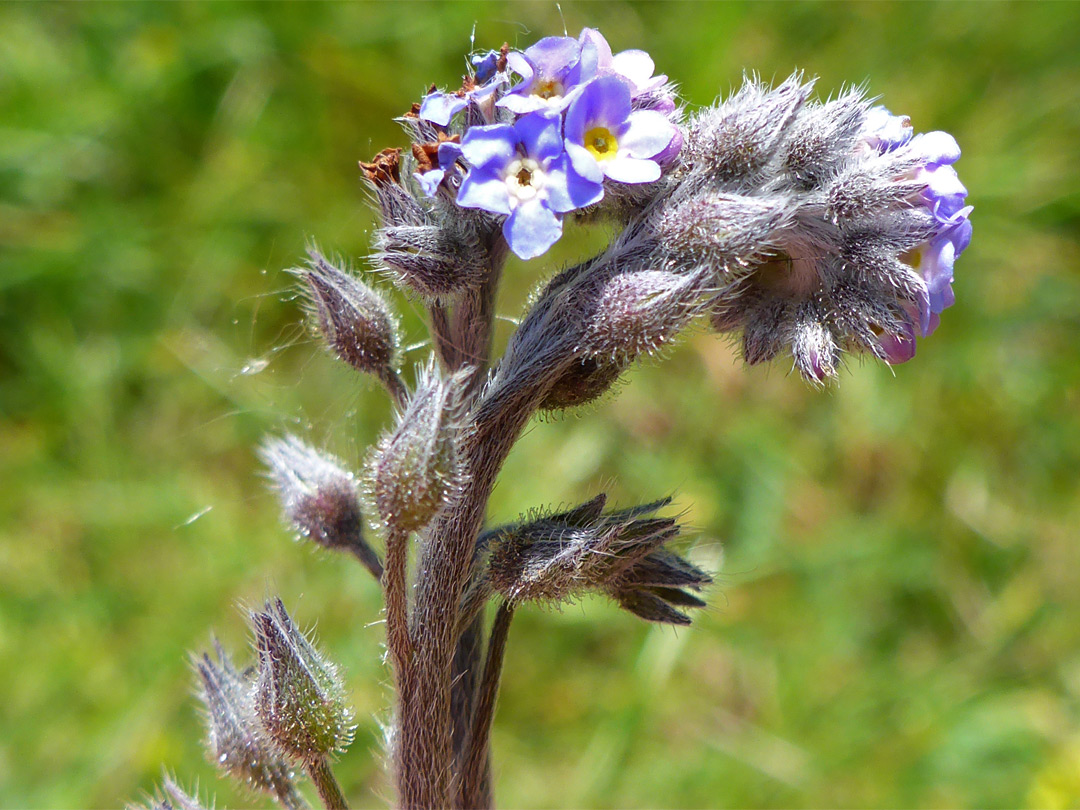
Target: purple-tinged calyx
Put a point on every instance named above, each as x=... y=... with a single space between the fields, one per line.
x=606 y=138
x=523 y=172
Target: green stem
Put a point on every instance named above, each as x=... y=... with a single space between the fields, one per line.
x=323 y=778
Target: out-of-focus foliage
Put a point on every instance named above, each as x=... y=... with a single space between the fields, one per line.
x=897 y=620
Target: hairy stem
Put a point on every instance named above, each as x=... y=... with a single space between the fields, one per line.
x=425 y=746
x=318 y=769
x=391 y=380
x=289 y=798
x=475 y=791
x=395 y=580
x=440 y=334
x=446 y=561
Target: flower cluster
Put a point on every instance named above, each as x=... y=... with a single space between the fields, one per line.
x=831 y=227
x=576 y=119
x=943 y=197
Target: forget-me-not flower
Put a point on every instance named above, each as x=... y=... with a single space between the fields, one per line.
x=523 y=172
x=605 y=138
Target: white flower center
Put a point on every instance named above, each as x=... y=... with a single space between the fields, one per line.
x=524 y=180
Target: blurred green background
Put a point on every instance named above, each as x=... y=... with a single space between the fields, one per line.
x=897 y=618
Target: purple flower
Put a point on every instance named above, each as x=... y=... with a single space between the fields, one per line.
x=605 y=138
x=447 y=154
x=440 y=108
x=944 y=197
x=885 y=132
x=551 y=70
x=523 y=172
x=635 y=66
x=485 y=65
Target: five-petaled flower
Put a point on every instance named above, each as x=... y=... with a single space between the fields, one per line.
x=604 y=138
x=523 y=172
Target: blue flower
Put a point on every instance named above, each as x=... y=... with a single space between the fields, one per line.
x=605 y=138
x=550 y=71
x=523 y=172
x=944 y=197
x=885 y=132
x=440 y=108
x=485 y=65
x=635 y=66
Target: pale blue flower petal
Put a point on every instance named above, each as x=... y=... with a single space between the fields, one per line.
x=531 y=229
x=647 y=134
x=624 y=169
x=484 y=190
x=493 y=145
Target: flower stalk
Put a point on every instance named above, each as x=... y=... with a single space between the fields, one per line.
x=819 y=229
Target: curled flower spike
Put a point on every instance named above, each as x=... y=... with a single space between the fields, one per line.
x=605 y=138
x=523 y=172
x=831 y=227
x=620 y=553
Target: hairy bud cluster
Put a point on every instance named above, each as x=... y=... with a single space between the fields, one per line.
x=562 y=556
x=319 y=498
x=299 y=695
x=356 y=322
x=416 y=469
x=816 y=219
x=235 y=738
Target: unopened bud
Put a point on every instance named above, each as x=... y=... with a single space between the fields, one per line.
x=814 y=349
x=319 y=498
x=582 y=383
x=638 y=313
x=355 y=321
x=735 y=141
x=728 y=231
x=299 y=695
x=432 y=261
x=417 y=468
x=236 y=741
x=170 y=796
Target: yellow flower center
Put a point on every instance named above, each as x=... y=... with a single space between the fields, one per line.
x=549 y=89
x=601 y=143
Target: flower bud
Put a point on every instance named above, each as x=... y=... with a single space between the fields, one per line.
x=172 y=797
x=734 y=142
x=637 y=313
x=355 y=321
x=429 y=260
x=235 y=739
x=582 y=383
x=416 y=469
x=319 y=498
x=559 y=557
x=299 y=695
